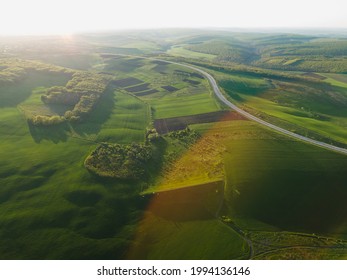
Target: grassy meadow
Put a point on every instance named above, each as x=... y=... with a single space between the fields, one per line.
x=275 y=184
x=195 y=239
x=119 y=118
x=193 y=95
x=229 y=189
x=319 y=108
x=280 y=182
x=51 y=206
x=184 y=52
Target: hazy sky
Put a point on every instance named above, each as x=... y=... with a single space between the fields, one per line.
x=68 y=16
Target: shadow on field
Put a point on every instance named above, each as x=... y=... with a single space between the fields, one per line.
x=92 y=125
x=297 y=201
x=19 y=185
x=83 y=198
x=124 y=64
x=12 y=98
x=59 y=109
x=200 y=202
x=56 y=133
x=105 y=217
x=99 y=115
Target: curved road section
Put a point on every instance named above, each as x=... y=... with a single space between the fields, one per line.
x=221 y=97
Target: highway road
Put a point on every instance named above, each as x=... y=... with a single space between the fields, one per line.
x=249 y=116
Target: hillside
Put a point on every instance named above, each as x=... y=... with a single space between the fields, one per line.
x=108 y=151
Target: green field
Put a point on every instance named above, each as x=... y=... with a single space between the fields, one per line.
x=223 y=190
x=49 y=199
x=11 y=95
x=317 y=108
x=119 y=118
x=339 y=80
x=188 y=99
x=173 y=106
x=50 y=204
x=275 y=184
x=168 y=229
x=281 y=182
x=181 y=51
x=175 y=240
x=74 y=61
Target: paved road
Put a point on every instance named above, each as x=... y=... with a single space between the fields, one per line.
x=247 y=115
x=221 y=97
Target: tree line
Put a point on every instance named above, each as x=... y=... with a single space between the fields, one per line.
x=82 y=92
x=13 y=70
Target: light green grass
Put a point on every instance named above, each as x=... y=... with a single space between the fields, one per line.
x=339 y=80
x=292 y=61
x=187 y=100
x=176 y=106
x=14 y=94
x=49 y=200
x=127 y=122
x=333 y=128
x=181 y=51
x=307 y=106
x=322 y=64
x=73 y=61
x=244 y=84
x=51 y=207
x=33 y=105
x=39 y=209
x=145 y=46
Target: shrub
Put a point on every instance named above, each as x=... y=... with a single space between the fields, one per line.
x=46 y=120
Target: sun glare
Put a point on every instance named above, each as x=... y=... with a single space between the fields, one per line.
x=65 y=16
